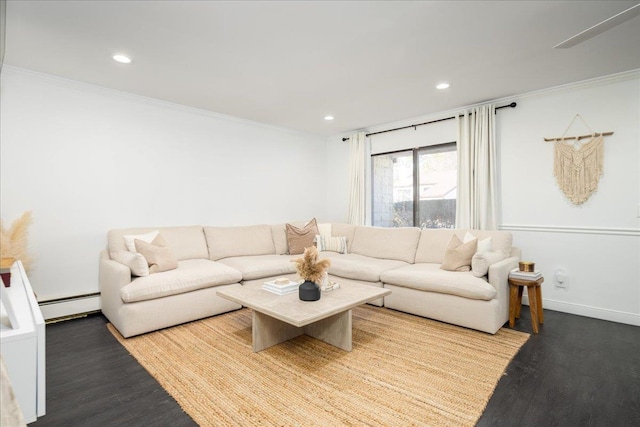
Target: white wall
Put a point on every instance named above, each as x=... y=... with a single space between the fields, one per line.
x=86 y=159
x=596 y=244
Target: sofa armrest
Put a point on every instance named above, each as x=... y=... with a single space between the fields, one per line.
x=112 y=277
x=112 y=274
x=498 y=278
x=499 y=272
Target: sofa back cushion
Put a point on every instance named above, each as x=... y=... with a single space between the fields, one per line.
x=225 y=242
x=279 y=236
x=344 y=230
x=185 y=242
x=388 y=243
x=500 y=240
x=433 y=242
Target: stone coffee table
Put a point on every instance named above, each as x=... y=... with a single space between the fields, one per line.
x=278 y=318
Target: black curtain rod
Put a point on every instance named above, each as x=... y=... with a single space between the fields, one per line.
x=512 y=105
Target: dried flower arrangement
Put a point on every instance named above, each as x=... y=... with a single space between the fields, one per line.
x=13 y=240
x=309 y=268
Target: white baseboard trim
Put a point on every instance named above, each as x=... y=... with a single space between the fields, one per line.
x=588 y=311
x=70 y=306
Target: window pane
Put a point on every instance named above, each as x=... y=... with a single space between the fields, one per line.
x=392 y=190
x=437 y=186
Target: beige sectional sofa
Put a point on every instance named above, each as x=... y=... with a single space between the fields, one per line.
x=405 y=260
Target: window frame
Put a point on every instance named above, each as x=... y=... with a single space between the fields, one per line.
x=415 y=152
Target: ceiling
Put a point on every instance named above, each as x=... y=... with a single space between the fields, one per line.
x=290 y=63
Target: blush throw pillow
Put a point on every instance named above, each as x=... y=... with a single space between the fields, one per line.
x=300 y=238
x=482 y=260
x=457 y=256
x=135 y=261
x=158 y=255
x=332 y=244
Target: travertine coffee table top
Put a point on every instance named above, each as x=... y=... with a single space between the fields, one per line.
x=290 y=309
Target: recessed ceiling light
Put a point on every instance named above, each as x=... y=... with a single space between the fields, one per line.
x=328 y=118
x=442 y=86
x=122 y=59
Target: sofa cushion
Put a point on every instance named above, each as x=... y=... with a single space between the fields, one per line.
x=457 y=256
x=346 y=230
x=386 y=243
x=226 y=242
x=190 y=275
x=429 y=277
x=500 y=240
x=279 y=236
x=433 y=243
x=185 y=242
x=261 y=266
x=300 y=238
x=359 y=267
x=324 y=229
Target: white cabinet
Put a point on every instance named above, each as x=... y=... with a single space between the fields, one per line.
x=23 y=344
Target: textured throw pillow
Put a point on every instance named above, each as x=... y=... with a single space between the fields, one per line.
x=484 y=245
x=135 y=261
x=300 y=238
x=482 y=260
x=457 y=256
x=332 y=244
x=147 y=237
x=158 y=255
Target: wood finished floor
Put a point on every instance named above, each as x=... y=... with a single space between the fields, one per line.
x=577 y=372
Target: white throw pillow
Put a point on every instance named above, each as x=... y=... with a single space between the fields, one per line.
x=129 y=238
x=482 y=260
x=136 y=262
x=484 y=245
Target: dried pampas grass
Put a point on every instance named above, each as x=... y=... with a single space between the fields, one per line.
x=309 y=268
x=13 y=240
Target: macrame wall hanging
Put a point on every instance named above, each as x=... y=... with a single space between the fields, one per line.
x=578 y=166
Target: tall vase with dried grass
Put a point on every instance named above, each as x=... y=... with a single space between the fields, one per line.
x=311 y=270
x=13 y=242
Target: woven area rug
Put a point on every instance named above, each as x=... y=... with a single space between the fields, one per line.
x=403 y=370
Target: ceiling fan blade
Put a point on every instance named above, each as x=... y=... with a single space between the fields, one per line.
x=601 y=27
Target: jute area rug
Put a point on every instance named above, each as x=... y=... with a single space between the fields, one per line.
x=403 y=370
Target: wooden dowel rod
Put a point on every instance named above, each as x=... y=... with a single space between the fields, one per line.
x=579 y=137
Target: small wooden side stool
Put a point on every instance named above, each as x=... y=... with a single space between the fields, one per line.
x=535 y=301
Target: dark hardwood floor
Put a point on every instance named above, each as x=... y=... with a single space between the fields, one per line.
x=576 y=372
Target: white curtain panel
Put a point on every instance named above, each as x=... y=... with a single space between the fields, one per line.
x=476 y=205
x=357 y=184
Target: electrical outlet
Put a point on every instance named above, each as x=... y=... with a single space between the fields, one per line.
x=561 y=279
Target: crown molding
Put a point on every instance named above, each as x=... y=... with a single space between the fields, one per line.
x=88 y=87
